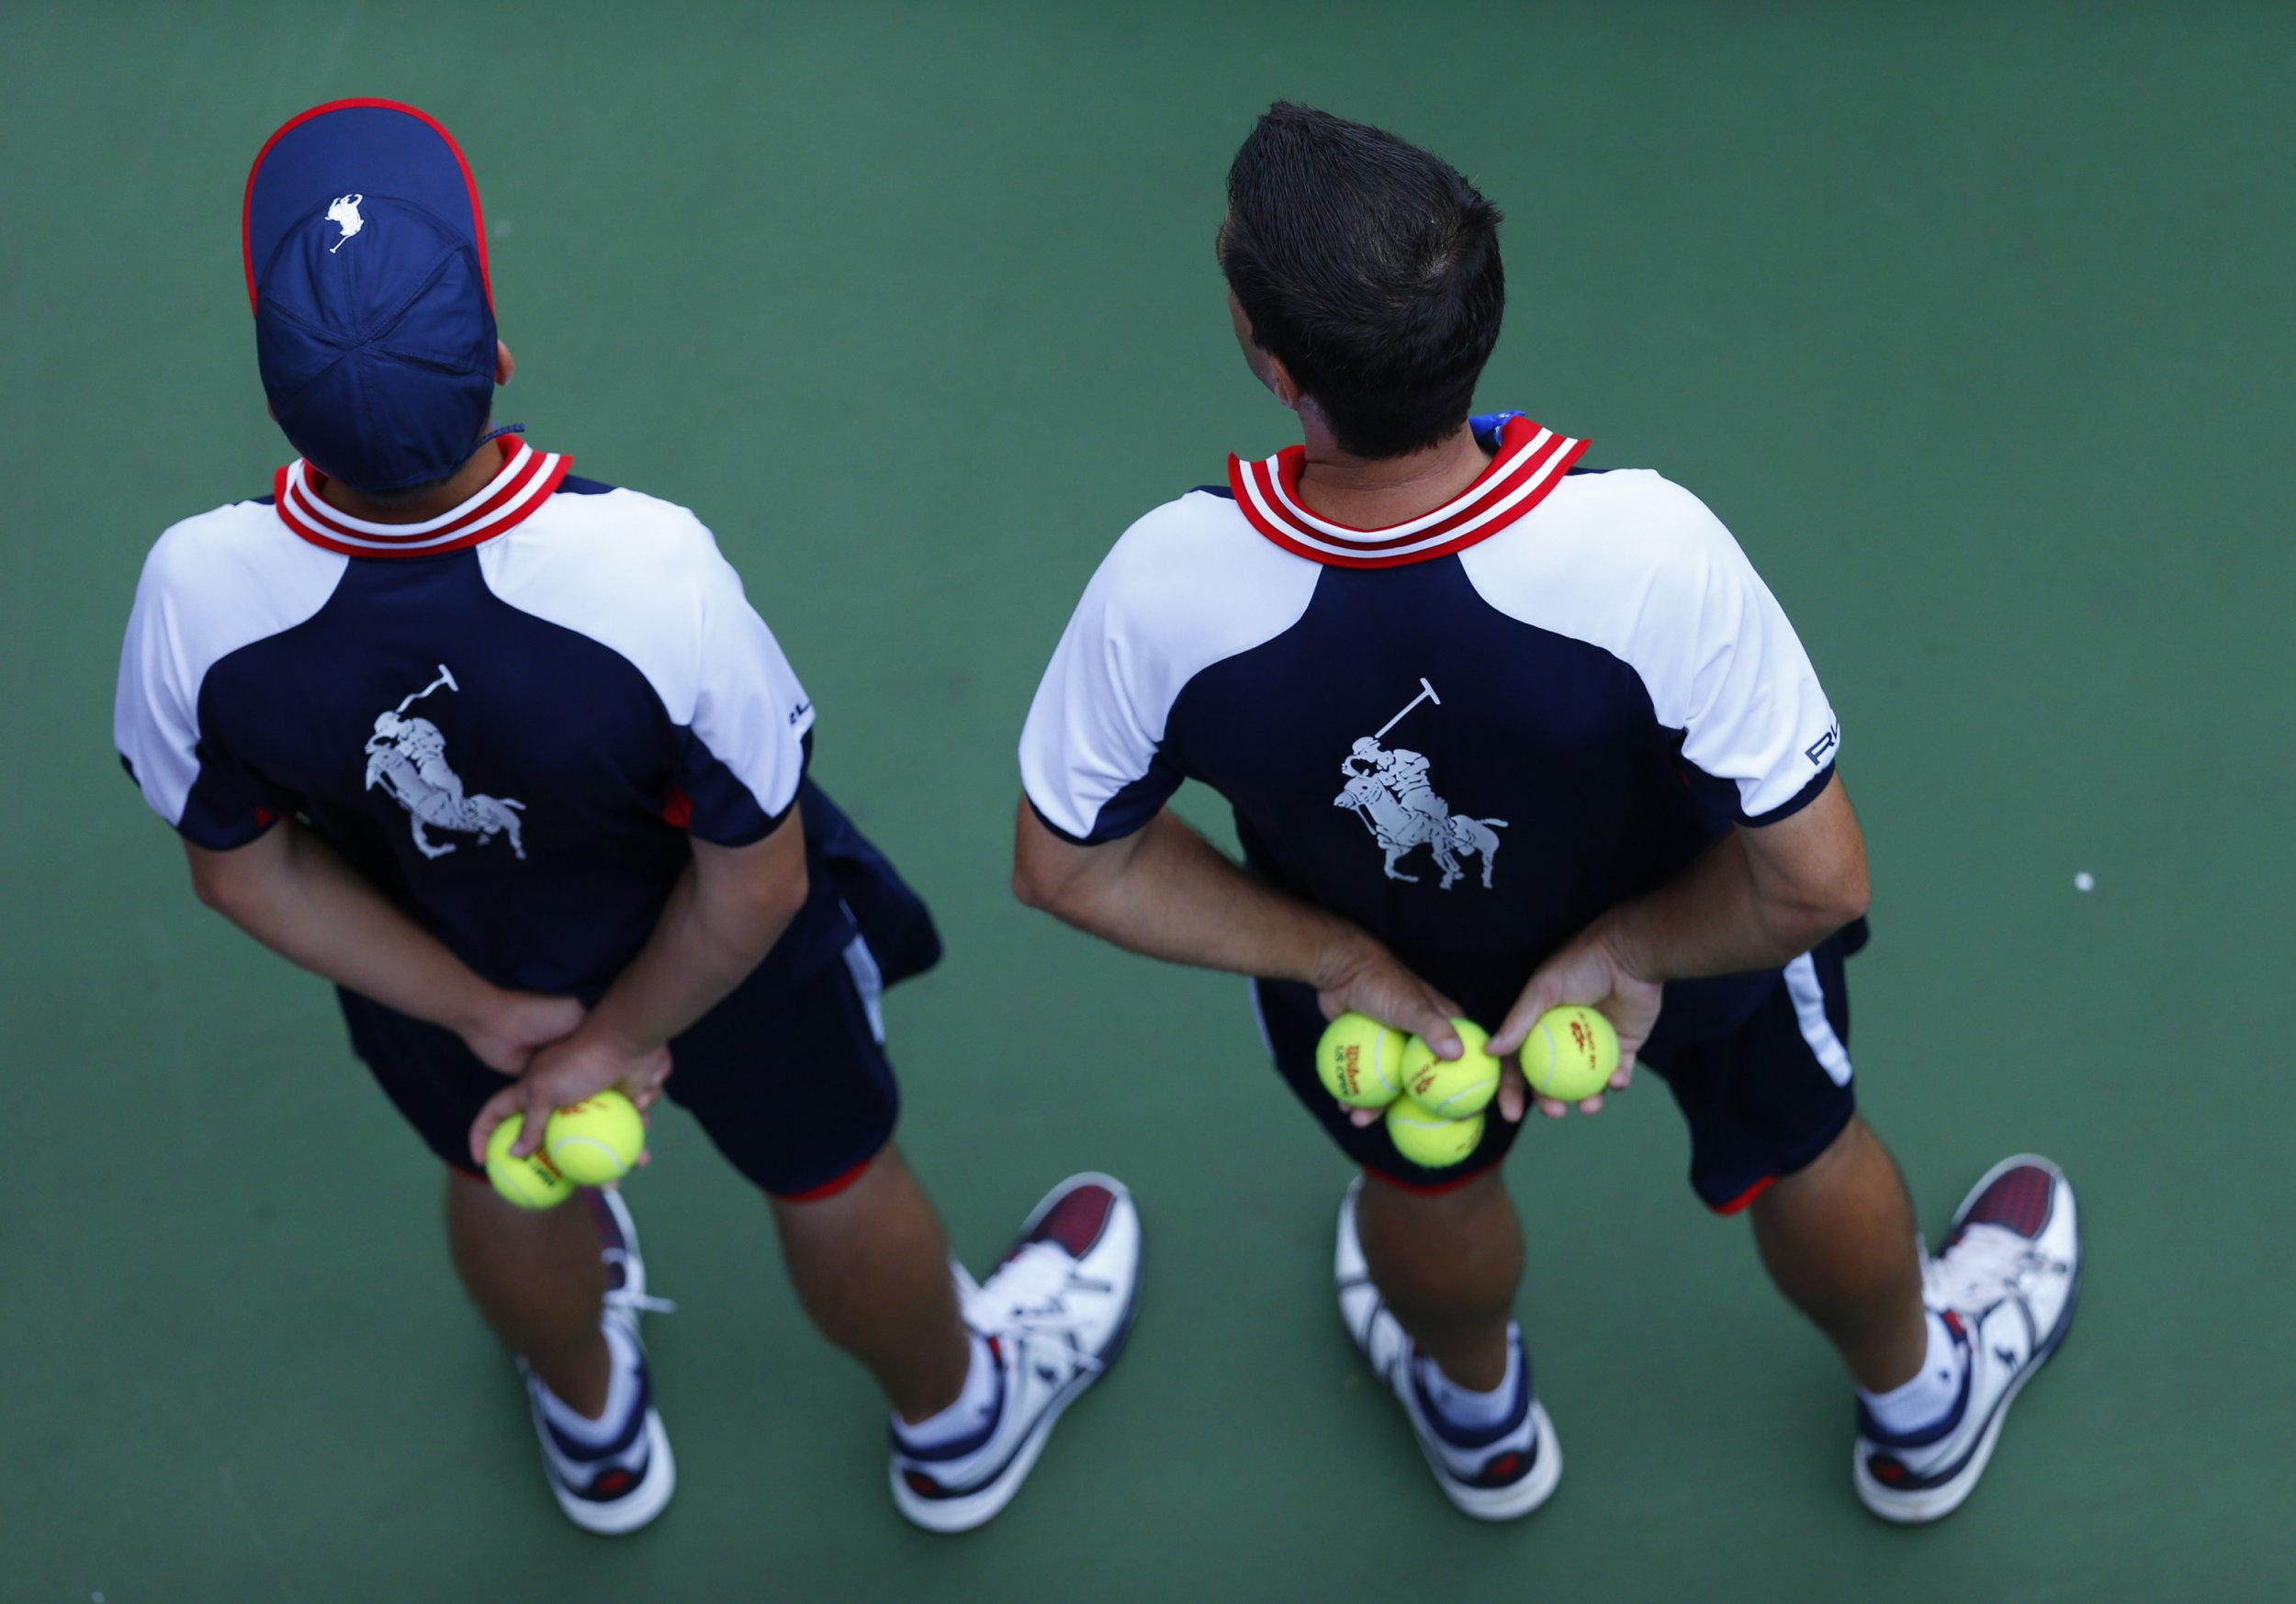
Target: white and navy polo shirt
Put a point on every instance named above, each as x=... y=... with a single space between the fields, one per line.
x=1470 y=733
x=507 y=718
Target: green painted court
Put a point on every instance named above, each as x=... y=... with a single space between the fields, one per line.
x=1973 y=323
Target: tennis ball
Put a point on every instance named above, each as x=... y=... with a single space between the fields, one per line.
x=1570 y=1054
x=1360 y=1062
x=532 y=1182
x=1452 y=1088
x=1430 y=1142
x=595 y=1140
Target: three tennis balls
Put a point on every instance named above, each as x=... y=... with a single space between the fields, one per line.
x=1434 y=1105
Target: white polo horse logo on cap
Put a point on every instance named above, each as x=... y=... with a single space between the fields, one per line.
x=343 y=212
x=406 y=756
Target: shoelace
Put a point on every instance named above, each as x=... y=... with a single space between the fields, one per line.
x=624 y=1299
x=1024 y=1299
x=1987 y=1264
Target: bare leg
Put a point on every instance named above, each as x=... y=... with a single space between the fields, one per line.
x=1448 y=1266
x=1838 y=1238
x=536 y=1276
x=870 y=1265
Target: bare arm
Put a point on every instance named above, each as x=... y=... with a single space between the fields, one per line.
x=726 y=912
x=289 y=890
x=1762 y=897
x=1167 y=892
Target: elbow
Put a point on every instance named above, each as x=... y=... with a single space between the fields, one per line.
x=213 y=890
x=1029 y=888
x=1850 y=900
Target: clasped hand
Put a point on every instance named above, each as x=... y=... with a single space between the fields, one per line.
x=1365 y=978
x=555 y=1056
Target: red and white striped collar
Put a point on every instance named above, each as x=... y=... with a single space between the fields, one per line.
x=527 y=479
x=1530 y=463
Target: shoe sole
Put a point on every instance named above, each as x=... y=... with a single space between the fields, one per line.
x=1918 y=1509
x=1508 y=1503
x=950 y=1515
x=641 y=1504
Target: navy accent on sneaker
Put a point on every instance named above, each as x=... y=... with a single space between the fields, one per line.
x=1943 y=1427
x=971 y=1443
x=633 y=1427
x=1459 y=1436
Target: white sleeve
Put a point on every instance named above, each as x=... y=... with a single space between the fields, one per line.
x=749 y=718
x=1089 y=752
x=644 y=577
x=1636 y=564
x=212 y=585
x=1188 y=585
x=155 y=722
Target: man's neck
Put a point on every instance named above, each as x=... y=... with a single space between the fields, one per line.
x=469 y=480
x=1375 y=492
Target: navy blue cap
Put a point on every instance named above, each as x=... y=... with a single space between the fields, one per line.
x=366 y=267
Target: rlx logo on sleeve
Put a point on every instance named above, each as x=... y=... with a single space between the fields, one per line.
x=1820 y=749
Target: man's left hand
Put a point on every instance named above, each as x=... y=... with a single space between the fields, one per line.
x=1589 y=970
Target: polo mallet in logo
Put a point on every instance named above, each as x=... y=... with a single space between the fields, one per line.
x=447 y=678
x=1426 y=693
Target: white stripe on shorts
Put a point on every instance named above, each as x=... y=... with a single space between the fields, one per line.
x=1809 y=1007
x=869 y=982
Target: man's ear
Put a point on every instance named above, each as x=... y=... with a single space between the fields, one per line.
x=504 y=364
x=1280 y=380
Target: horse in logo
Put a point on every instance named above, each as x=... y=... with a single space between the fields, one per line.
x=343 y=212
x=406 y=756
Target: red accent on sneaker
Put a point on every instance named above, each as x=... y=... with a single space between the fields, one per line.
x=920 y=1483
x=1886 y=1470
x=2019 y=1199
x=1077 y=1222
x=1505 y=1467
x=613 y=1484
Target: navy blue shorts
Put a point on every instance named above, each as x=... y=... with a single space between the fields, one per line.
x=1762 y=1097
x=789 y=1078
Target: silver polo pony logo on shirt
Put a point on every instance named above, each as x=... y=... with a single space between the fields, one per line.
x=1389 y=789
x=406 y=756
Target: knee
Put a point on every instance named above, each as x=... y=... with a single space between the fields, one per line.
x=1463 y=1247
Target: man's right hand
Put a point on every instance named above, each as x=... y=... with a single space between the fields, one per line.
x=512 y=1026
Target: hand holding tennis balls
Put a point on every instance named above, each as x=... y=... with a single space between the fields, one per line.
x=1570 y=1054
x=596 y=1140
x=1591 y=973
x=532 y=1182
x=1360 y=1060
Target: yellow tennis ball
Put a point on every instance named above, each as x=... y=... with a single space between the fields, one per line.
x=1570 y=1054
x=1452 y=1088
x=595 y=1140
x=1360 y=1062
x=532 y=1182
x=1430 y=1142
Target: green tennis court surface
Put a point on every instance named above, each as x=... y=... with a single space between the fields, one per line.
x=1972 y=323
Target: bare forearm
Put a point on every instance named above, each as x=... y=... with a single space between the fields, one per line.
x=1175 y=896
x=294 y=894
x=700 y=951
x=1714 y=920
x=1762 y=897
